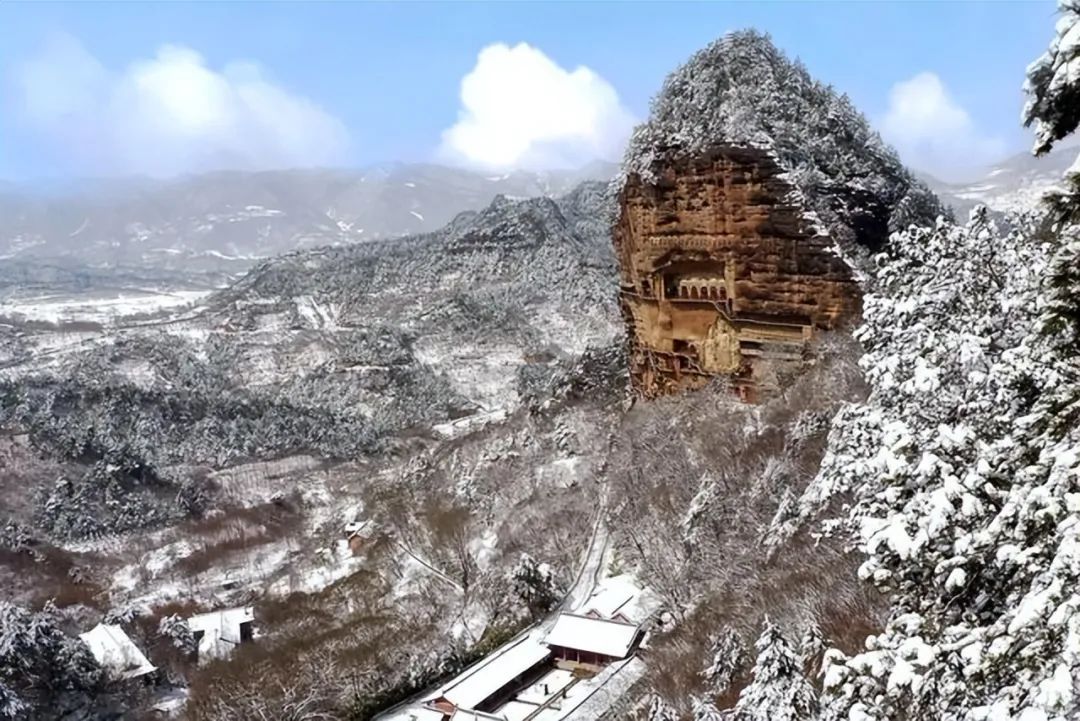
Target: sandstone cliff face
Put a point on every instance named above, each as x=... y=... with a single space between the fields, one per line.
x=720 y=275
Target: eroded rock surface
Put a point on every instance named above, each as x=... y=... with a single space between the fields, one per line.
x=722 y=274
x=738 y=195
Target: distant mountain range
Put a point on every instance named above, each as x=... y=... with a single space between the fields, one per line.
x=220 y=224
x=207 y=230
x=1017 y=183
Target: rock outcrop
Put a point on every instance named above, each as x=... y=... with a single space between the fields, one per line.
x=740 y=200
x=720 y=274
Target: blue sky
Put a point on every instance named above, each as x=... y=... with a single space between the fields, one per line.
x=123 y=88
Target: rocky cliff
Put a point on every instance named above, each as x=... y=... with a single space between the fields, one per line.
x=721 y=274
x=741 y=198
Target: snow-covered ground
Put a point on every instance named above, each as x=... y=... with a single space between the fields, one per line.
x=1010 y=199
x=99 y=309
x=485 y=374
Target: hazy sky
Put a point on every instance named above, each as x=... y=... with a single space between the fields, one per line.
x=125 y=88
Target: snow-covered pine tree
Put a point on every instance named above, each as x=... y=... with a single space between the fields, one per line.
x=812 y=647
x=778 y=691
x=727 y=661
x=534 y=583
x=1053 y=107
x=705 y=710
x=964 y=462
x=696 y=514
x=122 y=615
x=659 y=711
x=178 y=632
x=961 y=482
x=77 y=669
x=11 y=706
x=1053 y=82
x=40 y=665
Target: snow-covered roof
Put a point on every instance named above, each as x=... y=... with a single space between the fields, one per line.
x=116 y=652
x=463 y=714
x=620 y=598
x=415 y=713
x=481 y=681
x=172 y=702
x=595 y=635
x=220 y=630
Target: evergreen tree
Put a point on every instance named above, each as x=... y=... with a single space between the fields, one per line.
x=534 y=583
x=779 y=691
x=954 y=463
x=122 y=615
x=11 y=706
x=964 y=461
x=812 y=647
x=728 y=658
x=178 y=632
x=1053 y=82
x=40 y=666
x=705 y=710
x=660 y=711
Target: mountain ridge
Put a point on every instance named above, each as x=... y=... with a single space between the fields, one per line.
x=1016 y=183
x=223 y=222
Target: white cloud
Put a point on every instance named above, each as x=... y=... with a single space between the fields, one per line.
x=519 y=109
x=932 y=132
x=169 y=114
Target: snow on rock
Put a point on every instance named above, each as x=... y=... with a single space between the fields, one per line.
x=741 y=90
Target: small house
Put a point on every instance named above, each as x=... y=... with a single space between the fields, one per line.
x=217 y=633
x=607 y=627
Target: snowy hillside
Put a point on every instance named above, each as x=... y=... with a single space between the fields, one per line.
x=333 y=350
x=422 y=392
